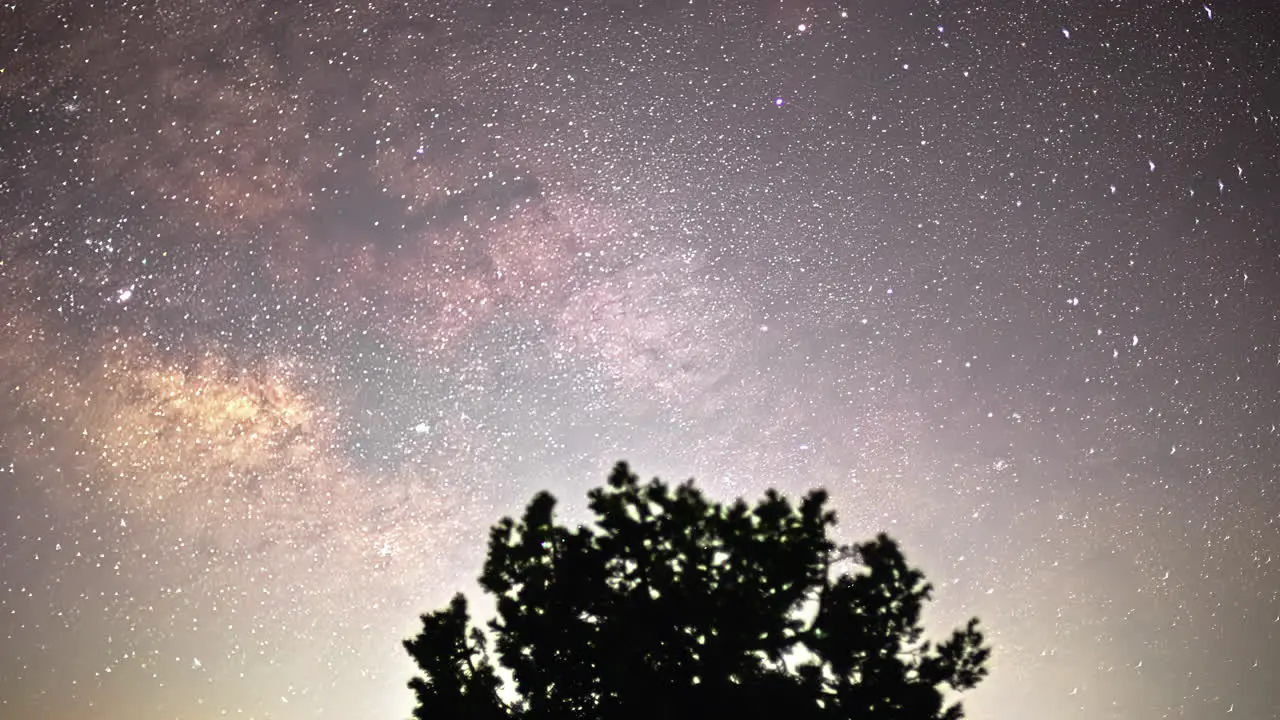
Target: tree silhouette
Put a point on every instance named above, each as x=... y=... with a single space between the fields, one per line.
x=675 y=607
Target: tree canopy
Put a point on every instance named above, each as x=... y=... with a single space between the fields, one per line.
x=672 y=606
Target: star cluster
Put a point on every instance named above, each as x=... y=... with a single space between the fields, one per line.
x=300 y=298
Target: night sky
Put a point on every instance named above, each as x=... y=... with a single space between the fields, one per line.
x=297 y=299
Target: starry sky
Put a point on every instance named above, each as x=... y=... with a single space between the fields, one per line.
x=299 y=298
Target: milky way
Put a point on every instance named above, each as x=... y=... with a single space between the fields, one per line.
x=298 y=301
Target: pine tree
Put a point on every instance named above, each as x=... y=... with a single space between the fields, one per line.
x=672 y=606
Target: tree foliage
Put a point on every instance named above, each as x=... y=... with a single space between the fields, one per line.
x=672 y=606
